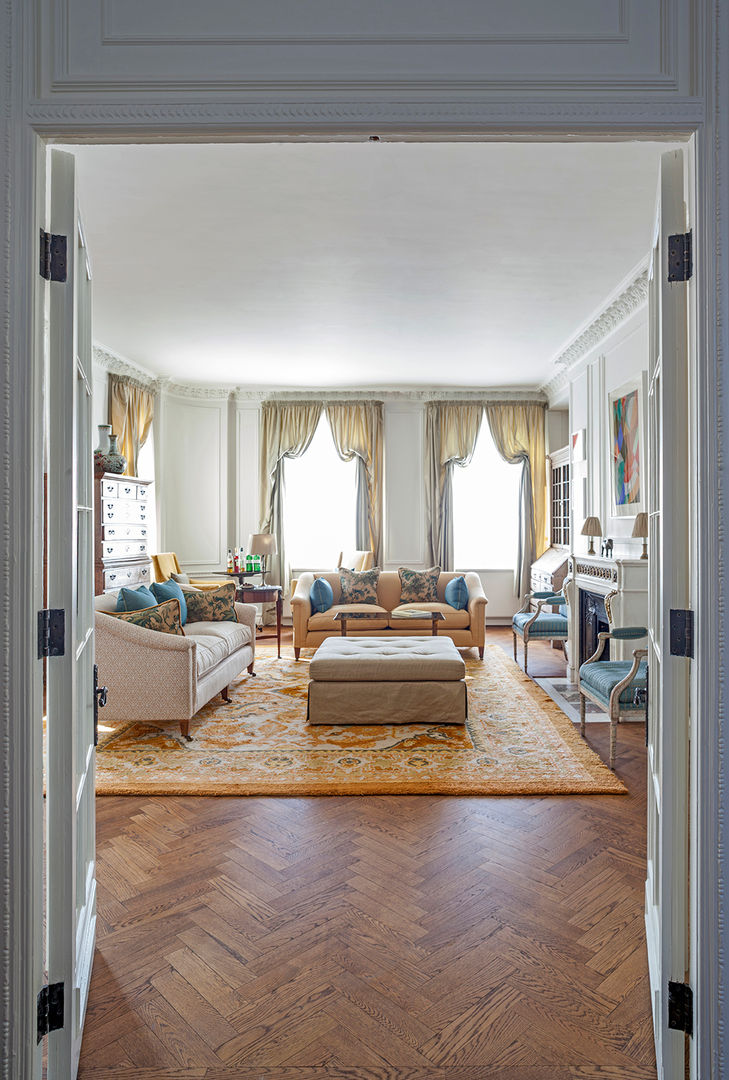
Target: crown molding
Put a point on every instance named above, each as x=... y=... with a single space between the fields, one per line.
x=119 y=365
x=200 y=391
x=618 y=308
x=422 y=394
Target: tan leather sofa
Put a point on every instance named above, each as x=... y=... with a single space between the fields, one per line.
x=155 y=676
x=466 y=628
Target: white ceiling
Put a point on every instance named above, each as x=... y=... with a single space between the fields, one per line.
x=359 y=264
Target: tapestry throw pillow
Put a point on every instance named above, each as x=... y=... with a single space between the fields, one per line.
x=134 y=599
x=165 y=618
x=321 y=595
x=215 y=605
x=170 y=590
x=419 y=586
x=456 y=593
x=359 y=587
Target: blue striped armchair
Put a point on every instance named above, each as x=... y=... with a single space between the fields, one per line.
x=539 y=624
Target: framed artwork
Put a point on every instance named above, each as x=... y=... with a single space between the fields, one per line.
x=578 y=445
x=626 y=428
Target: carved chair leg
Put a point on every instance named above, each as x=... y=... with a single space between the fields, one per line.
x=582 y=714
x=297 y=652
x=526 y=647
x=514 y=637
x=250 y=669
x=613 y=739
x=225 y=693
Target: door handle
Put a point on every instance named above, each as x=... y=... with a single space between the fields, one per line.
x=100 y=693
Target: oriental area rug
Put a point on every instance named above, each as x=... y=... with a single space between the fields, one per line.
x=517 y=742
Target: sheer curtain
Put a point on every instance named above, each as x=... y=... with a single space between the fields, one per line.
x=287 y=428
x=451 y=431
x=131 y=411
x=357 y=430
x=517 y=429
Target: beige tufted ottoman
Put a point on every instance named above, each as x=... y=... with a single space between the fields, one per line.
x=396 y=680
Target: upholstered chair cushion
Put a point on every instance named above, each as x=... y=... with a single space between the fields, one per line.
x=213 y=605
x=135 y=599
x=603 y=676
x=359 y=588
x=418 y=586
x=181 y=579
x=170 y=590
x=456 y=593
x=164 y=618
x=321 y=596
x=545 y=625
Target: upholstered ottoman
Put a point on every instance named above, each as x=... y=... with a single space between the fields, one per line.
x=395 y=680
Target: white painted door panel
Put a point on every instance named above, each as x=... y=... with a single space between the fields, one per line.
x=668 y=709
x=71 y=897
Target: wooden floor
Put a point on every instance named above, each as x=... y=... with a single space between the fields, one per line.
x=403 y=937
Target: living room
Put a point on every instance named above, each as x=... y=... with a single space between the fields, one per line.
x=204 y=447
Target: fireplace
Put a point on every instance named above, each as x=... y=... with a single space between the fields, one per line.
x=593 y=620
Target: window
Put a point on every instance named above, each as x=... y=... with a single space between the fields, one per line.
x=486 y=509
x=319 y=504
x=145 y=470
x=560 y=532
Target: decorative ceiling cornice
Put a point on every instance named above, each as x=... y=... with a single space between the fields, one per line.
x=633 y=296
x=209 y=392
x=118 y=365
x=418 y=394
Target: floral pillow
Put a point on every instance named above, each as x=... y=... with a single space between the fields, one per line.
x=419 y=586
x=162 y=617
x=213 y=605
x=359 y=587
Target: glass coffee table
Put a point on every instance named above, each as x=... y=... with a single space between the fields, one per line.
x=346 y=617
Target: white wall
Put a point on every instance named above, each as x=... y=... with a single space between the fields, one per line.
x=619 y=358
x=99 y=399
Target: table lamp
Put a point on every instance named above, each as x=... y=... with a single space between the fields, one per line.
x=592 y=528
x=262 y=544
x=640 y=528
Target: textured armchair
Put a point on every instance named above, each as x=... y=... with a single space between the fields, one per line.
x=619 y=686
x=539 y=624
x=166 y=564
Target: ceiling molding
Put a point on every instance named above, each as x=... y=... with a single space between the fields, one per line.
x=631 y=297
x=119 y=365
x=201 y=391
x=424 y=394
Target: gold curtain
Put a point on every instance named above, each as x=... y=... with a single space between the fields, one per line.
x=451 y=431
x=287 y=428
x=131 y=411
x=357 y=430
x=517 y=429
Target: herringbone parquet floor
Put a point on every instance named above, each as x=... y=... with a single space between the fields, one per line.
x=377 y=938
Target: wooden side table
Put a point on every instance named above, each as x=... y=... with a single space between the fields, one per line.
x=263 y=594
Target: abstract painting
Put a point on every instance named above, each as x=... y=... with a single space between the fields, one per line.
x=626 y=436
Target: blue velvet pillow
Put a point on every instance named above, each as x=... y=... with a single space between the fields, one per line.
x=321 y=595
x=170 y=590
x=456 y=593
x=135 y=599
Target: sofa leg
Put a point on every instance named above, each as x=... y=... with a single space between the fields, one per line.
x=297 y=652
x=250 y=669
x=225 y=693
x=185 y=730
x=480 y=652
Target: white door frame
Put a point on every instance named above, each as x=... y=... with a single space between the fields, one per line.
x=27 y=124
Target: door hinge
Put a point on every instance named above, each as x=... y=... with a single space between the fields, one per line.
x=681 y=1007
x=682 y=632
x=53 y=258
x=680 y=257
x=50 y=1009
x=51 y=632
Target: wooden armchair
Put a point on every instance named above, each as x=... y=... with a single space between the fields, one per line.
x=552 y=626
x=618 y=686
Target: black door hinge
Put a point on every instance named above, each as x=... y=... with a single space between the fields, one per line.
x=682 y=632
x=51 y=632
x=680 y=257
x=681 y=1007
x=50 y=1009
x=53 y=256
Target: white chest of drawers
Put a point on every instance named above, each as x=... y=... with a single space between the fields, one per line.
x=122 y=514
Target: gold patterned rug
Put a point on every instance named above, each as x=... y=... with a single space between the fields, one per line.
x=516 y=742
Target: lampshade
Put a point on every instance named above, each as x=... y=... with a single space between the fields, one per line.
x=640 y=527
x=592 y=527
x=262 y=544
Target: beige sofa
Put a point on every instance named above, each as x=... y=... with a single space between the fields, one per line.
x=466 y=628
x=155 y=676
